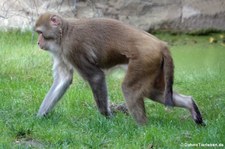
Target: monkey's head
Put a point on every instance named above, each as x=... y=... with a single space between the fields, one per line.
x=49 y=29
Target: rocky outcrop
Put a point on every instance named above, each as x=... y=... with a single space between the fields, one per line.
x=173 y=15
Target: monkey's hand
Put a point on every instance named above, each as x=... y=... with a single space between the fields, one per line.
x=119 y=108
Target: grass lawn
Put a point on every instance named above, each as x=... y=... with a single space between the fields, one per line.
x=26 y=76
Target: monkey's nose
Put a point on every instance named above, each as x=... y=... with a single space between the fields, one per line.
x=39 y=44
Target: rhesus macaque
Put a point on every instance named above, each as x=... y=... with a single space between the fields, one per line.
x=91 y=45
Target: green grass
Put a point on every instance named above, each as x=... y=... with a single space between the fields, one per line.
x=26 y=76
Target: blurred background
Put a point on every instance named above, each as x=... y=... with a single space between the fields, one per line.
x=150 y=15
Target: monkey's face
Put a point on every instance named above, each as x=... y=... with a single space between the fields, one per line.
x=48 y=27
x=42 y=41
x=46 y=43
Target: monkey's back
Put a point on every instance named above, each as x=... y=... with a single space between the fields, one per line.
x=113 y=42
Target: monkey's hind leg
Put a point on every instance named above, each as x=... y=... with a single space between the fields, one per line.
x=132 y=90
x=182 y=101
x=189 y=103
x=135 y=105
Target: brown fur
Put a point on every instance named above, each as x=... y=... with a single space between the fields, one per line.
x=90 y=45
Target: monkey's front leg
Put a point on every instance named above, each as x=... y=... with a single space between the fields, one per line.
x=99 y=89
x=62 y=80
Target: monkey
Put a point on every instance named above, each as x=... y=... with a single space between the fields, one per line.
x=90 y=46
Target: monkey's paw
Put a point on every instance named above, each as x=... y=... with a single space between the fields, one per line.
x=115 y=108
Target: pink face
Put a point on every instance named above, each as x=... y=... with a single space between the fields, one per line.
x=41 y=41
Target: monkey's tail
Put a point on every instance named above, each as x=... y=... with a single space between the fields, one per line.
x=168 y=68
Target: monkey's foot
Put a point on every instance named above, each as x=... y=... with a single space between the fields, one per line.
x=197 y=116
x=41 y=114
x=115 y=108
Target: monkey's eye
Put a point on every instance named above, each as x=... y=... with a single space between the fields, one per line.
x=39 y=32
x=44 y=36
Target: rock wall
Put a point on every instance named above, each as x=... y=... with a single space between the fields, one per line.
x=172 y=15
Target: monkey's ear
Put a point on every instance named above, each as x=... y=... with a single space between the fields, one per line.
x=55 y=20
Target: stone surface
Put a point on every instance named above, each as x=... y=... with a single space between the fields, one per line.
x=172 y=15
